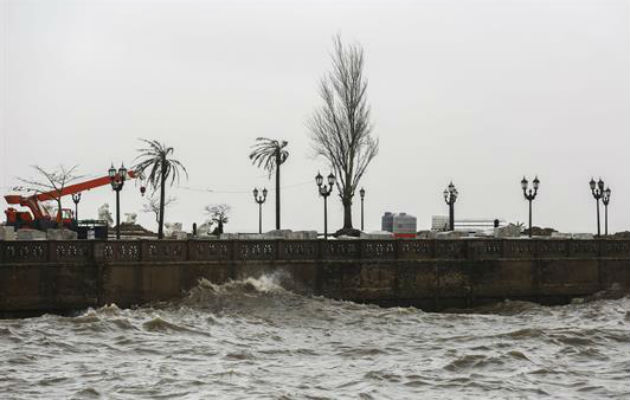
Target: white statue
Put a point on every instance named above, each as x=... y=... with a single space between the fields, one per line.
x=105 y=215
x=131 y=218
x=170 y=228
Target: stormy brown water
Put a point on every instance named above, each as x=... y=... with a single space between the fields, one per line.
x=252 y=339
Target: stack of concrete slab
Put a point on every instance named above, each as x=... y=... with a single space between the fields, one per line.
x=7 y=233
x=61 y=234
x=30 y=234
x=508 y=231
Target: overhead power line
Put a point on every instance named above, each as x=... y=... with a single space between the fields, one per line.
x=218 y=191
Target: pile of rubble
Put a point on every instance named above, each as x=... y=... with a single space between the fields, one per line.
x=132 y=231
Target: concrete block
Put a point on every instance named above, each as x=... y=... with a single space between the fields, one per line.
x=251 y=236
x=228 y=236
x=583 y=236
x=508 y=231
x=7 y=233
x=427 y=234
x=61 y=234
x=560 y=235
x=277 y=234
x=30 y=234
x=206 y=237
x=302 y=235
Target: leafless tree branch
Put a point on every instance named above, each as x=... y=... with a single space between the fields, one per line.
x=52 y=182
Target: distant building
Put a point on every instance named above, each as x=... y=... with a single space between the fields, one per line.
x=387 y=222
x=402 y=225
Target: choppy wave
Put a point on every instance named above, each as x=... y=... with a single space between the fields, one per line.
x=254 y=339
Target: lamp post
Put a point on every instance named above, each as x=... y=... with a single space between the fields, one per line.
x=76 y=198
x=362 y=194
x=117 y=180
x=530 y=195
x=597 y=189
x=325 y=192
x=260 y=200
x=450 y=197
x=606 y=200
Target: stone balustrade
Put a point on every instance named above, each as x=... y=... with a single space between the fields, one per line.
x=29 y=252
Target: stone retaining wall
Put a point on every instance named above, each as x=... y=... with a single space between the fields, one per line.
x=62 y=276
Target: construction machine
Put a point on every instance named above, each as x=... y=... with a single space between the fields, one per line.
x=39 y=218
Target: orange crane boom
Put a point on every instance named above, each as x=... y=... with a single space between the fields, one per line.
x=32 y=202
x=79 y=187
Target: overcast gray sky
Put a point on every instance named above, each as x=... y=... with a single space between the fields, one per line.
x=478 y=92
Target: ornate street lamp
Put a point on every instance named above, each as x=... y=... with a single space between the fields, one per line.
x=325 y=192
x=117 y=180
x=606 y=200
x=597 y=189
x=260 y=200
x=530 y=195
x=362 y=194
x=450 y=197
x=76 y=198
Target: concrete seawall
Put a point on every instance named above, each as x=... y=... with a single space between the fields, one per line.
x=65 y=276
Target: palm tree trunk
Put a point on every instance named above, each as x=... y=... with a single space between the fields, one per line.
x=162 y=195
x=278 y=189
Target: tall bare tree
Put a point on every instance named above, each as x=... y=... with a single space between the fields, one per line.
x=341 y=128
x=156 y=158
x=271 y=154
x=52 y=182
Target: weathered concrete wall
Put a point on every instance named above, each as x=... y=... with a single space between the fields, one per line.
x=62 y=276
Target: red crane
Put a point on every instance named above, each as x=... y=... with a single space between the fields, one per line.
x=38 y=217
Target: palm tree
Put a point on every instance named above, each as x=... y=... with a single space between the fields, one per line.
x=155 y=157
x=270 y=154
